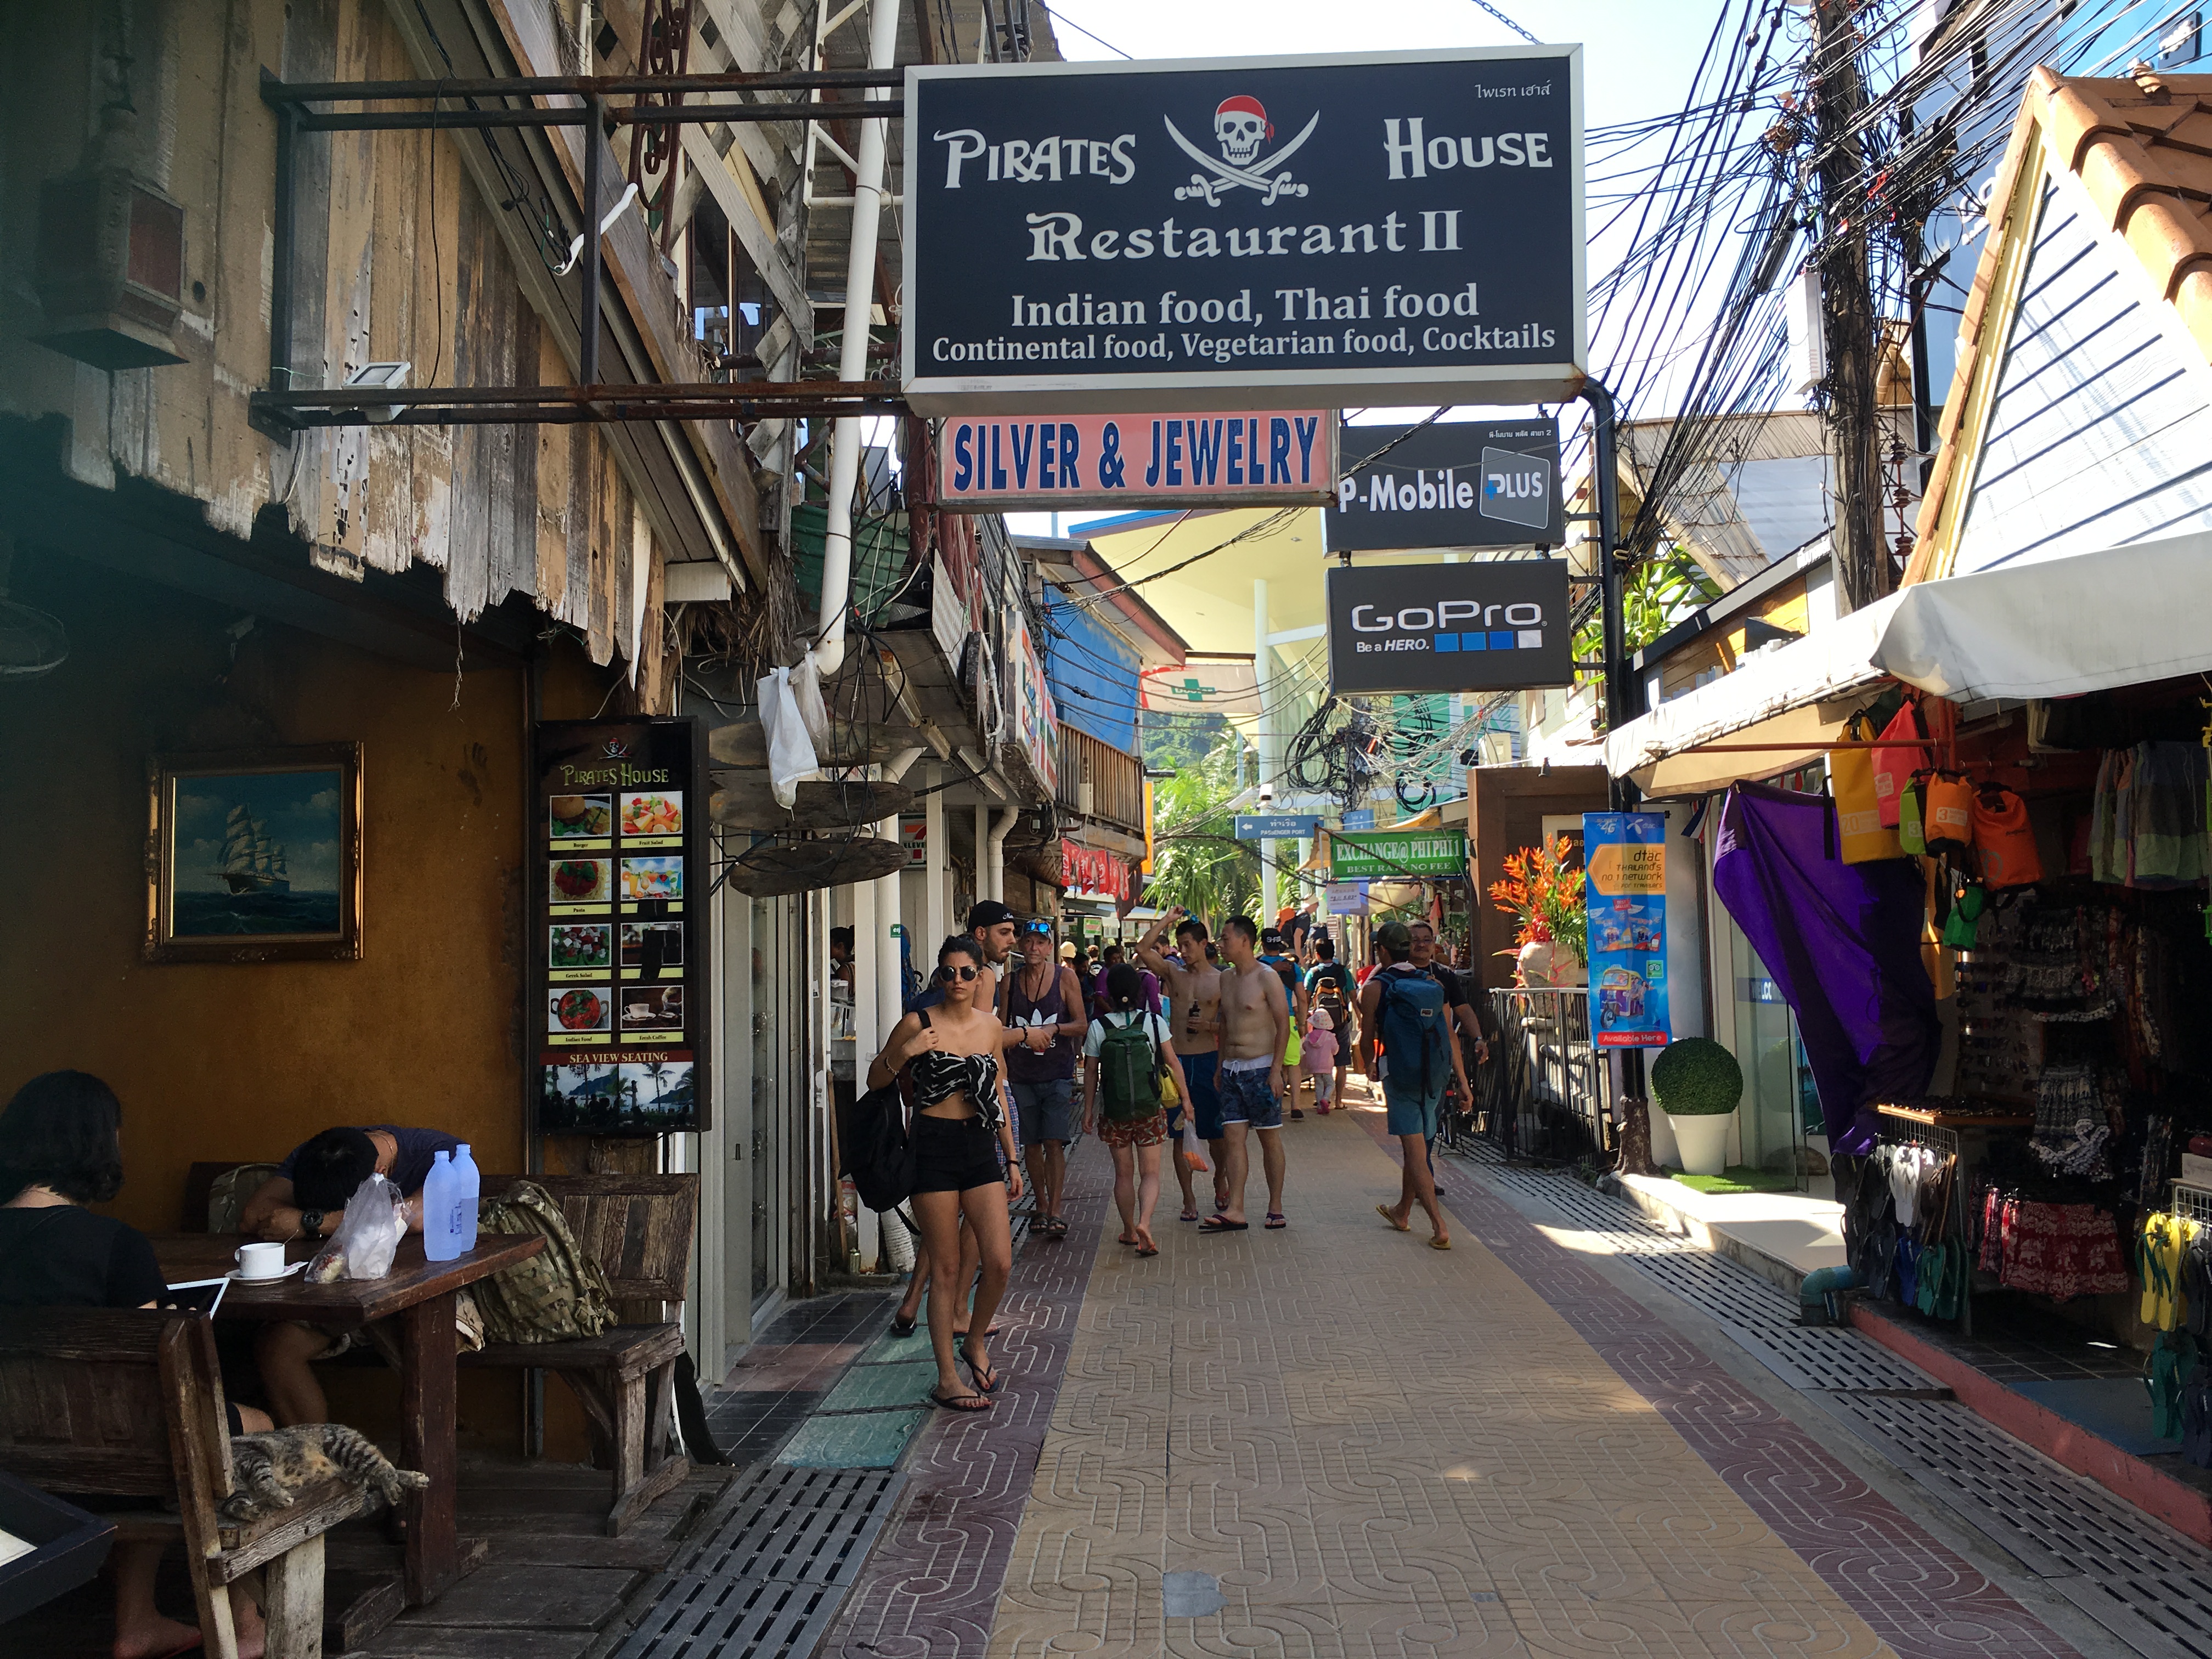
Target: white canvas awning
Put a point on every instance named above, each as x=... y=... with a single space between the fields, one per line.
x=2124 y=617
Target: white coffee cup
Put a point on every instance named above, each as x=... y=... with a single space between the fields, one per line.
x=261 y=1262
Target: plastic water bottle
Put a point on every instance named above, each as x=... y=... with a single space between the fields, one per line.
x=441 y=1193
x=473 y=1191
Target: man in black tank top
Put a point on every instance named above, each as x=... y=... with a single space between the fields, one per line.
x=1043 y=998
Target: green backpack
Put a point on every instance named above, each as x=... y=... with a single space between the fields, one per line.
x=560 y=1294
x=1128 y=1072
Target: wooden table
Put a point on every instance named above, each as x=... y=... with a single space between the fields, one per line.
x=420 y=1294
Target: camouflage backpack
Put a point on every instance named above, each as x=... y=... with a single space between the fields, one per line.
x=559 y=1294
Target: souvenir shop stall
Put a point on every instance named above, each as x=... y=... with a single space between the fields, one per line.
x=2061 y=1155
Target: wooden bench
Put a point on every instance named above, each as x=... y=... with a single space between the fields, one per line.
x=638 y=1228
x=129 y=1401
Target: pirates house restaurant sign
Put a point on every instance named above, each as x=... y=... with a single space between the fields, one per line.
x=1287 y=230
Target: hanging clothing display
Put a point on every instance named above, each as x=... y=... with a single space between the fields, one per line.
x=1842 y=942
x=2147 y=816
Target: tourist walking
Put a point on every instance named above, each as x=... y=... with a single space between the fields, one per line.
x=1331 y=990
x=1256 y=1028
x=1404 y=1010
x=950 y=1052
x=1125 y=1052
x=1043 y=1002
x=1193 y=982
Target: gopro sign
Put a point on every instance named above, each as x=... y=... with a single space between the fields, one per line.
x=1500 y=626
x=1457 y=484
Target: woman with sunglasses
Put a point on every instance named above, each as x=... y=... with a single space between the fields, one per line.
x=951 y=1053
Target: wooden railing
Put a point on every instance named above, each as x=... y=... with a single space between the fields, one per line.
x=1100 y=780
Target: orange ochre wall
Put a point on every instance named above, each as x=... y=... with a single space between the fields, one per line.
x=223 y=1062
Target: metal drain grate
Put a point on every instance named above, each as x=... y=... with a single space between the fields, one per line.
x=2149 y=1586
x=774 y=1564
x=1757 y=1316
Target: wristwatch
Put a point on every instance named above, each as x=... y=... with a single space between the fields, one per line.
x=311 y=1223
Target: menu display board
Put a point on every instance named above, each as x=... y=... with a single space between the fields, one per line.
x=618 y=930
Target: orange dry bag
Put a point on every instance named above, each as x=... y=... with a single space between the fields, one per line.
x=2004 y=839
x=1949 y=823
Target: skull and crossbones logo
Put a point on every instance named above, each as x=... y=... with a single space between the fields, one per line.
x=1240 y=127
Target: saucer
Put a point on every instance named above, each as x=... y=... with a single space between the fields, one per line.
x=290 y=1267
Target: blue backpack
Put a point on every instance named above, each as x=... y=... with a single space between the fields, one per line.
x=1412 y=1020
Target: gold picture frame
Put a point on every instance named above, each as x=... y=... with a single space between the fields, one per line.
x=254 y=854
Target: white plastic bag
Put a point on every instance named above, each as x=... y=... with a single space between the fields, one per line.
x=1193 y=1147
x=791 y=760
x=367 y=1237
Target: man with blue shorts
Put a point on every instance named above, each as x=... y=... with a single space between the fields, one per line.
x=1193 y=987
x=1256 y=1028
x=1405 y=1014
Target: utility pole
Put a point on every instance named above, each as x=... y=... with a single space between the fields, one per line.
x=1848 y=322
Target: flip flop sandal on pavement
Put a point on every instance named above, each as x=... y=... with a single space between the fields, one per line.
x=1275 y=1222
x=1384 y=1210
x=959 y=1403
x=1214 y=1224
x=1440 y=1243
x=977 y=1374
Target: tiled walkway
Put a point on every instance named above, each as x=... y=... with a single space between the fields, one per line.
x=1333 y=1441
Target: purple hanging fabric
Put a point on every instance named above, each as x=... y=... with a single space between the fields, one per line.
x=1843 y=943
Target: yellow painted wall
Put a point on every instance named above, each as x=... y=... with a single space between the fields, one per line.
x=215 y=1060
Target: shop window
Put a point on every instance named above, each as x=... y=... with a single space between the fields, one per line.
x=731 y=310
x=1781 y=1107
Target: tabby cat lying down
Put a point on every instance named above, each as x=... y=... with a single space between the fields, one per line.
x=269 y=1471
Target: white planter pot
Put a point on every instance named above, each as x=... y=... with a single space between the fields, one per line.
x=1703 y=1141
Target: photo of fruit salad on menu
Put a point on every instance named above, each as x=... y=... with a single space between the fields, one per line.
x=579 y=818
x=580 y=881
x=579 y=1009
x=652 y=878
x=589 y=944
x=654 y=812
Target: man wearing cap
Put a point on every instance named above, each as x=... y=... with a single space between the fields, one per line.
x=991 y=924
x=1412 y=1093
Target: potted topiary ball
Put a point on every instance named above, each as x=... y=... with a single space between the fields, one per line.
x=1698 y=1083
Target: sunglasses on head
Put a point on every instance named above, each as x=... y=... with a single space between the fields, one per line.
x=948 y=972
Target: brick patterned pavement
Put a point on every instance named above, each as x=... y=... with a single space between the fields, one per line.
x=933 y=1584
x=1376 y=1449
x=1924 y=1600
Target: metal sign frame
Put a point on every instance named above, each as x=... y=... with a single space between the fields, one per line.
x=1194 y=388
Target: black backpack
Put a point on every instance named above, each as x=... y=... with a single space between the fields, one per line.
x=878 y=1150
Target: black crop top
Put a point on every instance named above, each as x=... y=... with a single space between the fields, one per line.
x=939 y=1076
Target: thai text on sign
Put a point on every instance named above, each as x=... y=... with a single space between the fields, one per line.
x=1136 y=460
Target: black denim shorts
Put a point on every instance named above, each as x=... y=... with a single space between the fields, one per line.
x=952 y=1154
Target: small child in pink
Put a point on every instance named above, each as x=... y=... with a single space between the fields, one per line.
x=1318 y=1056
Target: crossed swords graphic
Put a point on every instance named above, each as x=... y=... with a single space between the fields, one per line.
x=1271 y=184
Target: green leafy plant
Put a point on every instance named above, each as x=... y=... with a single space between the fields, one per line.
x=1198 y=863
x=1658 y=593
x=1696 y=1076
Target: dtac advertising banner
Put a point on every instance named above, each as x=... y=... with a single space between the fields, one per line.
x=1458 y=483
x=1051 y=463
x=1264 y=233
x=1624 y=854
x=1499 y=625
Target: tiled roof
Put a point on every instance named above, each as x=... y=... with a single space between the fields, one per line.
x=2142 y=148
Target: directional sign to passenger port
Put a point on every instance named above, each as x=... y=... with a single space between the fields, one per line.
x=1261 y=233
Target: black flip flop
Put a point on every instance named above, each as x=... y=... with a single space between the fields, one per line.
x=903 y=1327
x=975 y=1374
x=1214 y=1224
x=966 y=1402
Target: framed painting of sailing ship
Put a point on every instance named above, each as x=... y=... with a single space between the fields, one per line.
x=254 y=855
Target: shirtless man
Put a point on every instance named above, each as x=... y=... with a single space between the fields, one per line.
x=1193 y=984
x=1255 y=1030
